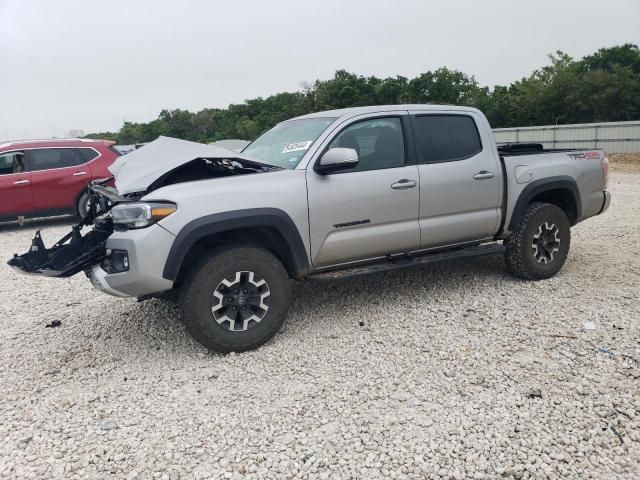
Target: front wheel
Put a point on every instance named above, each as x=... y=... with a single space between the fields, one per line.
x=539 y=245
x=236 y=299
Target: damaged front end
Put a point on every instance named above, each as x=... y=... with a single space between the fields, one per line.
x=75 y=251
x=163 y=162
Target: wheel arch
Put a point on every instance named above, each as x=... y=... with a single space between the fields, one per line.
x=561 y=191
x=268 y=227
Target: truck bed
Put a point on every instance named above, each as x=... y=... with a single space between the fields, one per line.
x=520 y=149
x=528 y=168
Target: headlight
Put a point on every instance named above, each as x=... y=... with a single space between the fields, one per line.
x=140 y=215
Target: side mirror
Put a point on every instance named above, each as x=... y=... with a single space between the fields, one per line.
x=336 y=159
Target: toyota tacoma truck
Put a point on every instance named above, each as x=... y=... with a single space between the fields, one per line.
x=321 y=196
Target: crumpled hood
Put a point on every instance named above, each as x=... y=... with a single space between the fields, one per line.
x=137 y=170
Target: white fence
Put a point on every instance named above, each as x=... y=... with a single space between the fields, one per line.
x=612 y=137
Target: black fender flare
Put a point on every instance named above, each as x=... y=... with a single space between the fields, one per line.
x=542 y=185
x=235 y=220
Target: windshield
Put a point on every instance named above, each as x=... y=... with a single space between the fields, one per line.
x=286 y=143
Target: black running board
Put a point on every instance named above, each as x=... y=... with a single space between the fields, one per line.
x=405 y=261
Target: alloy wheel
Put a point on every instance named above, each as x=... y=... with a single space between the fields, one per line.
x=240 y=301
x=546 y=242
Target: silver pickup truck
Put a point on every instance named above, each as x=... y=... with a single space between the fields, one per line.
x=325 y=195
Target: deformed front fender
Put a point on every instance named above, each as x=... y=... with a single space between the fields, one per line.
x=237 y=220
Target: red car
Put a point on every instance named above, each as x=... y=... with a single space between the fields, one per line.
x=50 y=177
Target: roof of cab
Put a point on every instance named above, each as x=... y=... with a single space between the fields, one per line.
x=353 y=111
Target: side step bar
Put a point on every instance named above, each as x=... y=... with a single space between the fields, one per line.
x=405 y=261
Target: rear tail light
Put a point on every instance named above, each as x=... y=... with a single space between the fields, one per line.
x=605 y=171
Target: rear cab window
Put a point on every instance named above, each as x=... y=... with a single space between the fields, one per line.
x=445 y=137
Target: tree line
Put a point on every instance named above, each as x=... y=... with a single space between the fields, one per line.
x=603 y=86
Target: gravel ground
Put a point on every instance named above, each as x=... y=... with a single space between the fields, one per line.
x=451 y=371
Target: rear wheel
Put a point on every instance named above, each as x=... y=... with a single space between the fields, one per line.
x=82 y=206
x=539 y=245
x=236 y=299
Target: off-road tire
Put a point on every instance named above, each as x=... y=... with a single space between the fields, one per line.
x=203 y=281
x=520 y=255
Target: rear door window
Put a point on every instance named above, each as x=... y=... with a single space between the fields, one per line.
x=50 y=158
x=446 y=138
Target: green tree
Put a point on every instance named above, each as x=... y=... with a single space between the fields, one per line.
x=603 y=86
x=627 y=55
x=442 y=86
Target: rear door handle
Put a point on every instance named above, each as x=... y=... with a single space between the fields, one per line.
x=404 y=184
x=483 y=175
x=20 y=182
x=78 y=174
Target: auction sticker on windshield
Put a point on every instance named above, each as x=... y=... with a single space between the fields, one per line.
x=294 y=147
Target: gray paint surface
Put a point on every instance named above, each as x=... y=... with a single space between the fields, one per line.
x=452 y=203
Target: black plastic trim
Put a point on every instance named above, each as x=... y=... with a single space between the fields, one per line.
x=405 y=261
x=235 y=220
x=505 y=197
x=604 y=202
x=544 y=185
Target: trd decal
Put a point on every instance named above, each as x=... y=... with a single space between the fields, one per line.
x=584 y=155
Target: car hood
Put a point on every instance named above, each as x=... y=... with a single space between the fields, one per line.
x=136 y=171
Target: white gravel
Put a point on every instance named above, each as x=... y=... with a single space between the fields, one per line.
x=451 y=371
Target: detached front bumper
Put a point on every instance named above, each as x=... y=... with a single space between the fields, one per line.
x=606 y=202
x=147 y=250
x=126 y=263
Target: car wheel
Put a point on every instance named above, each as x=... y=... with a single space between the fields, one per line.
x=236 y=299
x=539 y=245
x=82 y=206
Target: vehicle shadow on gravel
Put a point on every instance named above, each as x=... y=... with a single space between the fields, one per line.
x=155 y=324
x=413 y=285
x=14 y=226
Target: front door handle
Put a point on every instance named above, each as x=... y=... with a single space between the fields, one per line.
x=20 y=182
x=483 y=175
x=78 y=174
x=404 y=184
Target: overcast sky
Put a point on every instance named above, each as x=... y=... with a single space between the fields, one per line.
x=78 y=64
